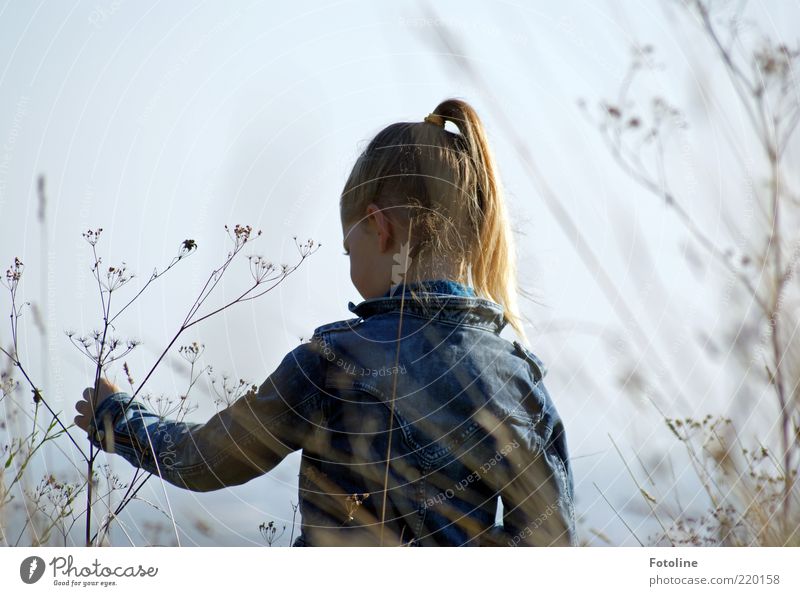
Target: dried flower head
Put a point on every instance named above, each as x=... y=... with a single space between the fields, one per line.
x=241 y=234
x=353 y=502
x=14 y=274
x=92 y=236
x=269 y=530
x=187 y=246
x=192 y=352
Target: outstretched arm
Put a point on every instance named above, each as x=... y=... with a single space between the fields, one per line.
x=245 y=440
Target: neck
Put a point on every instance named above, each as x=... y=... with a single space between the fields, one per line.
x=427 y=271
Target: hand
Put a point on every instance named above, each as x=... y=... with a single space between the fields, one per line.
x=87 y=406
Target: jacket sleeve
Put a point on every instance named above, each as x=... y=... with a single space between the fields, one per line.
x=537 y=504
x=238 y=443
x=538 y=492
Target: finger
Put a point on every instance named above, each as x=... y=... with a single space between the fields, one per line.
x=87 y=393
x=83 y=408
x=82 y=422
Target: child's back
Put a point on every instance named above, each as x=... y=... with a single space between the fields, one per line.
x=461 y=414
x=414 y=416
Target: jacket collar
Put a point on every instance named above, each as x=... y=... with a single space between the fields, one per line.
x=457 y=309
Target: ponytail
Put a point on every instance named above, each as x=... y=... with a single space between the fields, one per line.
x=493 y=264
x=448 y=187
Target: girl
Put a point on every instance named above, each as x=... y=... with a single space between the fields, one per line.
x=419 y=424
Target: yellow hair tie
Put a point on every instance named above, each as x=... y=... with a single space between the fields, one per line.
x=435 y=119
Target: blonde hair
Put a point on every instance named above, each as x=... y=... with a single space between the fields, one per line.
x=446 y=186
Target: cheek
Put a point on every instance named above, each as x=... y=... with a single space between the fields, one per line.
x=354 y=274
x=358 y=272
x=364 y=278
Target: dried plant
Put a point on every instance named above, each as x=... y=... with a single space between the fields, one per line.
x=50 y=505
x=352 y=503
x=269 y=531
x=226 y=392
x=763 y=74
x=752 y=490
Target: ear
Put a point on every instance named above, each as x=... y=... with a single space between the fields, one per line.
x=383 y=226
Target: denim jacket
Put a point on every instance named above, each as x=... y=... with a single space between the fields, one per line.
x=419 y=378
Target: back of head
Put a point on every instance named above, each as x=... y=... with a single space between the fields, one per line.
x=443 y=187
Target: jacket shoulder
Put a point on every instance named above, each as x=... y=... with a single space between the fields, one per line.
x=539 y=367
x=343 y=325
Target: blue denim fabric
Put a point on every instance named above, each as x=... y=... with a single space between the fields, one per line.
x=461 y=415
